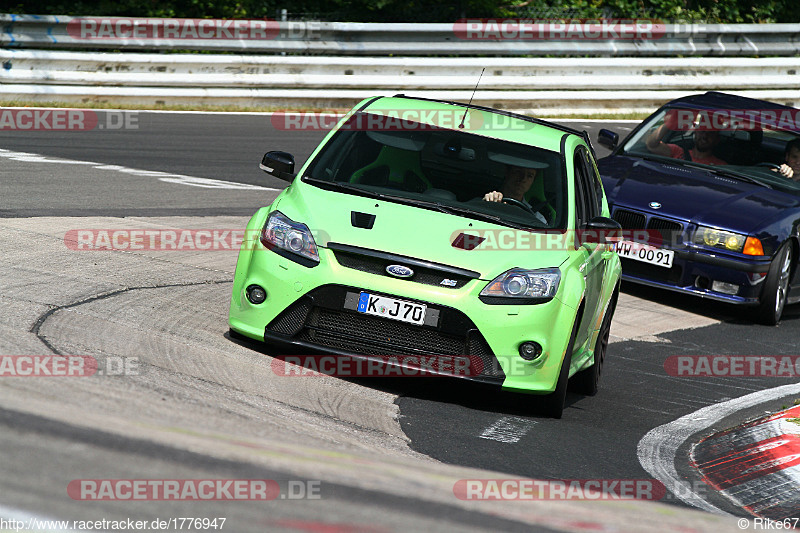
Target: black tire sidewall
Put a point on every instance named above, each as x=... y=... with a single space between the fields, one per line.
x=766 y=309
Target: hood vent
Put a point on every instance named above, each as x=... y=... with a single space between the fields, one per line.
x=467 y=242
x=362 y=220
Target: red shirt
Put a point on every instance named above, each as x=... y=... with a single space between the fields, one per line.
x=676 y=152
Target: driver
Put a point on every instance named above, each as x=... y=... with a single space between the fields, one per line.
x=700 y=152
x=518 y=181
x=791 y=167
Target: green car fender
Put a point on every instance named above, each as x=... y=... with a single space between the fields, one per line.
x=251 y=237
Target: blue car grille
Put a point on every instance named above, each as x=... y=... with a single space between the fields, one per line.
x=661 y=230
x=629 y=219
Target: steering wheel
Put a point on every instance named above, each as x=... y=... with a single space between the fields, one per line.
x=773 y=166
x=522 y=205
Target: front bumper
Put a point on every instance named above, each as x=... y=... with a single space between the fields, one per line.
x=305 y=310
x=695 y=271
x=695 y=268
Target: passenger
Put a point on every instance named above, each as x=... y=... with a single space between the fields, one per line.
x=701 y=151
x=516 y=184
x=791 y=157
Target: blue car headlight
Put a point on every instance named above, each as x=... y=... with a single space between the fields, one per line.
x=290 y=239
x=518 y=284
x=719 y=238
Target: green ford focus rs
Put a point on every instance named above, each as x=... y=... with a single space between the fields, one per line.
x=423 y=231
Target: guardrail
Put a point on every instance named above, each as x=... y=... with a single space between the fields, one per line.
x=554 y=85
x=373 y=39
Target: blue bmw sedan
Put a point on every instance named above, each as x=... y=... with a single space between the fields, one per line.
x=708 y=189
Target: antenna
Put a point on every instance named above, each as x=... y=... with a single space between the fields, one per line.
x=461 y=126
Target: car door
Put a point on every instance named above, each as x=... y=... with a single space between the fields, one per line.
x=589 y=205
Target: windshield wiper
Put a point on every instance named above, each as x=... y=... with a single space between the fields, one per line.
x=719 y=170
x=722 y=171
x=485 y=217
x=341 y=186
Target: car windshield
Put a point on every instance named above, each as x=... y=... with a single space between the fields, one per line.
x=446 y=170
x=750 y=149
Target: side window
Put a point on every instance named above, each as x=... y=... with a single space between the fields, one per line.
x=595 y=184
x=582 y=209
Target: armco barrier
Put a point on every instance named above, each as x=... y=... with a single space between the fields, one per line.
x=260 y=76
x=374 y=39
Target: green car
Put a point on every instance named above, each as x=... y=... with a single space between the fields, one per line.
x=425 y=231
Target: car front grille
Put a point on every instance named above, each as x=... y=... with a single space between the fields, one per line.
x=659 y=230
x=629 y=219
x=319 y=318
x=375 y=262
x=664 y=230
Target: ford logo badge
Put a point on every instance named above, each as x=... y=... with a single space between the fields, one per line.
x=655 y=205
x=399 y=271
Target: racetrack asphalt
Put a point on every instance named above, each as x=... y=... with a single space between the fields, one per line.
x=206 y=395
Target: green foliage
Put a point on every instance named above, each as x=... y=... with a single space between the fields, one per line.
x=708 y=11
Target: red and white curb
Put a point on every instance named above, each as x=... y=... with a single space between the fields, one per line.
x=756 y=465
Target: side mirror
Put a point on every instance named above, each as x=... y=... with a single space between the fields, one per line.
x=278 y=164
x=608 y=138
x=600 y=230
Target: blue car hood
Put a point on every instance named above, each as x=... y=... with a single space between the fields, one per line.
x=691 y=194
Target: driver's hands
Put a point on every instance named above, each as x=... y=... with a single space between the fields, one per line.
x=671 y=120
x=679 y=119
x=785 y=171
x=493 y=196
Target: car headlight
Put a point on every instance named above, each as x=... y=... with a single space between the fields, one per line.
x=290 y=239
x=728 y=240
x=519 y=284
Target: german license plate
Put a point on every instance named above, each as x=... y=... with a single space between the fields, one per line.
x=401 y=310
x=645 y=253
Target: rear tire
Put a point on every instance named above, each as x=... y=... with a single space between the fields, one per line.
x=776 y=287
x=553 y=403
x=587 y=382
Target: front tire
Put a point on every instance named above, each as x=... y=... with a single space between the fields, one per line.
x=553 y=403
x=776 y=287
x=587 y=382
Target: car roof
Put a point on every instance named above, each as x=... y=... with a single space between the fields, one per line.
x=551 y=130
x=713 y=100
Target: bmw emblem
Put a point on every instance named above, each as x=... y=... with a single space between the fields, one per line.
x=655 y=205
x=399 y=271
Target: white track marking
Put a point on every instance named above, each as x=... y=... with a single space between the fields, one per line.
x=658 y=449
x=508 y=429
x=162 y=176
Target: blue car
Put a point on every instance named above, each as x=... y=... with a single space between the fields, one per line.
x=709 y=201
